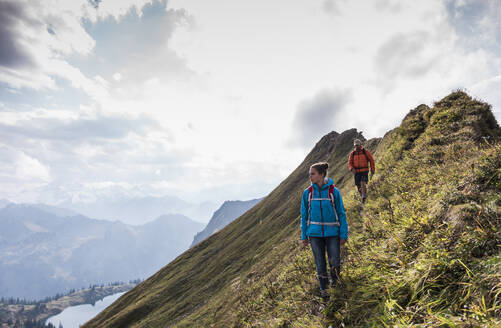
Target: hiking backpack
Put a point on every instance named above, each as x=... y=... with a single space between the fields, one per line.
x=331 y=199
x=366 y=157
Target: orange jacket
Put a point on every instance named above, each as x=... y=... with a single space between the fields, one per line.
x=359 y=162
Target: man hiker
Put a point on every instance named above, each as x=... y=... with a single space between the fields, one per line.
x=358 y=163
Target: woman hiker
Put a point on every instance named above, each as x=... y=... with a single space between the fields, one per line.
x=323 y=224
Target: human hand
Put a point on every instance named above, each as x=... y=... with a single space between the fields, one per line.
x=372 y=173
x=305 y=242
x=342 y=241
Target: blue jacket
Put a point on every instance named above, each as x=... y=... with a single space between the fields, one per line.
x=322 y=211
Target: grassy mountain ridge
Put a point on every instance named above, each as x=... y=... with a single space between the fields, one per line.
x=423 y=252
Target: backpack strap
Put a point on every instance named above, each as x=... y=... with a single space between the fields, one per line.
x=366 y=157
x=310 y=197
x=331 y=197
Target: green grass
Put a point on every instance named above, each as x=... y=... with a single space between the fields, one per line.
x=423 y=252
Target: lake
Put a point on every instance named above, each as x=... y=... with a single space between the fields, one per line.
x=75 y=316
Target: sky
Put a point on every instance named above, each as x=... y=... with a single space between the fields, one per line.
x=218 y=100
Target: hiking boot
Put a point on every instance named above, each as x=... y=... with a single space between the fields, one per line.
x=324 y=294
x=338 y=282
x=335 y=277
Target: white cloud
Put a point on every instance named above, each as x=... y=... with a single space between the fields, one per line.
x=30 y=169
x=20 y=172
x=40 y=32
x=41 y=36
x=114 y=8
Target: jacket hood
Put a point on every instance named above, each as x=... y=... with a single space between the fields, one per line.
x=327 y=183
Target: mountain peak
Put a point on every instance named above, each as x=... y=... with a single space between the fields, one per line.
x=459 y=111
x=229 y=211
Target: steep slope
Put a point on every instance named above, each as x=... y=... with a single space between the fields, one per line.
x=229 y=211
x=423 y=252
x=198 y=282
x=43 y=253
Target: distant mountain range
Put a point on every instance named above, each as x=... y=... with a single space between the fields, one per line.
x=130 y=210
x=229 y=211
x=139 y=210
x=46 y=250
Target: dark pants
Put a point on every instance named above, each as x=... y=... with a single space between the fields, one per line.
x=318 y=246
x=361 y=176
